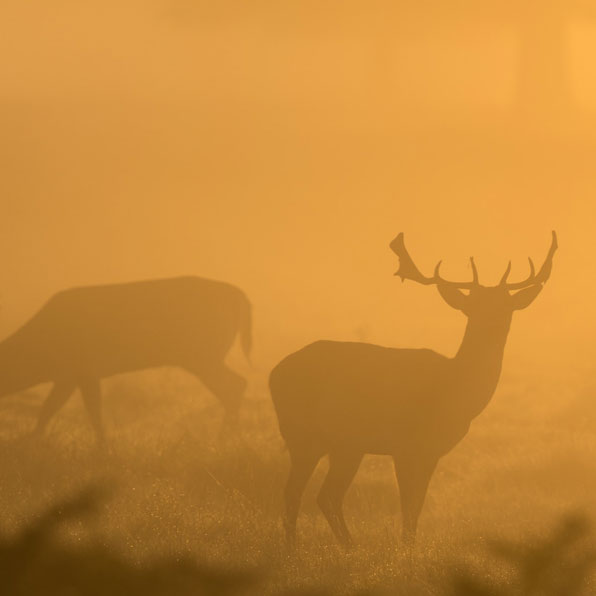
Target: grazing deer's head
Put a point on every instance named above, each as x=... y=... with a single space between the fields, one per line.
x=489 y=306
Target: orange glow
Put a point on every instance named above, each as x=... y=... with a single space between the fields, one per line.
x=281 y=146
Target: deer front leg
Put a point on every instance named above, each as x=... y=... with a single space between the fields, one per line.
x=413 y=476
x=303 y=463
x=342 y=469
x=58 y=396
x=91 y=392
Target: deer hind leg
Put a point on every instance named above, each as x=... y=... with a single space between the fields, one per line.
x=91 y=393
x=342 y=469
x=302 y=467
x=58 y=396
x=413 y=477
x=227 y=385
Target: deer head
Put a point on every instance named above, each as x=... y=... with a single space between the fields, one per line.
x=493 y=304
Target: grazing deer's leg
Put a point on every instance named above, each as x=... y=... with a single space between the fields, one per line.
x=91 y=392
x=58 y=396
x=227 y=385
x=303 y=465
x=413 y=477
x=342 y=469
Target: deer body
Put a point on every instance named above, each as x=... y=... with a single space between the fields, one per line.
x=380 y=399
x=349 y=399
x=84 y=334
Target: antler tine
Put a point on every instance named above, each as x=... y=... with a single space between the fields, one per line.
x=547 y=266
x=408 y=270
x=544 y=273
x=464 y=285
x=503 y=281
x=475 y=279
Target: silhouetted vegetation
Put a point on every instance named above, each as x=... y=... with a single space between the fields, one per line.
x=37 y=562
x=40 y=560
x=556 y=566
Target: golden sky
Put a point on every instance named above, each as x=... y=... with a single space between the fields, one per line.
x=281 y=146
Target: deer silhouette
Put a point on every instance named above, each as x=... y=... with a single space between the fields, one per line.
x=346 y=399
x=84 y=334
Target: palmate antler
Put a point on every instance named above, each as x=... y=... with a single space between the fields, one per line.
x=408 y=270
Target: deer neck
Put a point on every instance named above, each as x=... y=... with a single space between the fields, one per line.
x=478 y=364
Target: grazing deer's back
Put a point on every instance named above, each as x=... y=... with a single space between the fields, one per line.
x=121 y=327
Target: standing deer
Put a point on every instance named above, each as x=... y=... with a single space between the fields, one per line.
x=346 y=399
x=84 y=334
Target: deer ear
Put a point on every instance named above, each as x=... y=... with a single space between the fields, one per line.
x=455 y=298
x=525 y=297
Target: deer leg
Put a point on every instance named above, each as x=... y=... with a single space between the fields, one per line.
x=413 y=477
x=302 y=467
x=227 y=385
x=91 y=392
x=342 y=469
x=58 y=396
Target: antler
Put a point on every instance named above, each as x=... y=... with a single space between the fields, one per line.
x=534 y=278
x=408 y=270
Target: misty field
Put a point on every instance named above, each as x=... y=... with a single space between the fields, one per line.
x=175 y=488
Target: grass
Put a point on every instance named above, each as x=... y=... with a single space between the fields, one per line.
x=177 y=490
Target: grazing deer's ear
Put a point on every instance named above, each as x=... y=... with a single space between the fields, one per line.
x=454 y=297
x=524 y=298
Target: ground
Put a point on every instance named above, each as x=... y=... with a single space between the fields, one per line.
x=176 y=488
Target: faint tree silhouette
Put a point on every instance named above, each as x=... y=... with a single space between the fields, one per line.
x=543 y=91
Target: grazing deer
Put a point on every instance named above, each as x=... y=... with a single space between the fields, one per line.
x=84 y=334
x=346 y=399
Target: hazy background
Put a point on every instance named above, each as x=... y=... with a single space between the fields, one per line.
x=281 y=147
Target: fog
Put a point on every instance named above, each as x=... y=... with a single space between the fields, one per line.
x=282 y=146
x=283 y=149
